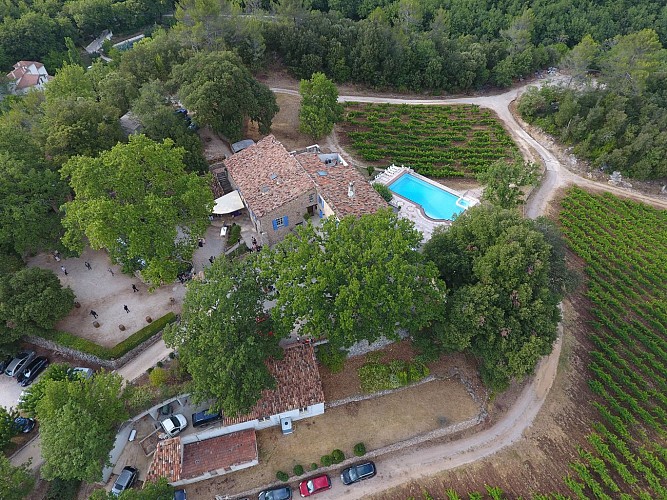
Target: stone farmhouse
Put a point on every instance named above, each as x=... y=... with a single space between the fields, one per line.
x=280 y=188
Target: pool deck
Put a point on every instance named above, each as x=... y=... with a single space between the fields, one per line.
x=412 y=211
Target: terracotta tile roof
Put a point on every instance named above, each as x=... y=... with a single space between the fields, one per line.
x=220 y=452
x=298 y=385
x=167 y=461
x=28 y=63
x=267 y=175
x=27 y=80
x=333 y=187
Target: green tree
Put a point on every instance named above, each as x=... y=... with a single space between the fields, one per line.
x=582 y=58
x=32 y=300
x=223 y=339
x=220 y=90
x=15 y=482
x=30 y=206
x=504 y=179
x=501 y=306
x=7 y=428
x=320 y=109
x=34 y=393
x=74 y=126
x=353 y=279
x=78 y=420
x=138 y=203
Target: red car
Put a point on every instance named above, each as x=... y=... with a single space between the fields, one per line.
x=314 y=485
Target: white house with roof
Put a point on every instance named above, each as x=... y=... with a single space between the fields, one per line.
x=27 y=75
x=231 y=444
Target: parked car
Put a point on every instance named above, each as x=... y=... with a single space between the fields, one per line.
x=34 y=368
x=5 y=363
x=283 y=492
x=205 y=417
x=24 y=425
x=314 y=485
x=180 y=495
x=125 y=480
x=358 y=472
x=174 y=424
x=17 y=365
x=79 y=371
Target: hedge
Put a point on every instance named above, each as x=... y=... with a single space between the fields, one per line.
x=67 y=339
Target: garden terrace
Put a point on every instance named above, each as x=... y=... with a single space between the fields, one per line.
x=437 y=141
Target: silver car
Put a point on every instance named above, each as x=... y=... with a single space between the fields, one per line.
x=19 y=363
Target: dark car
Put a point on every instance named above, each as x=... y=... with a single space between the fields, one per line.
x=314 y=485
x=125 y=480
x=24 y=425
x=34 y=368
x=180 y=495
x=279 y=493
x=205 y=417
x=358 y=472
x=16 y=365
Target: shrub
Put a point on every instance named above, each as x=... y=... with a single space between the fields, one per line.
x=234 y=235
x=61 y=488
x=282 y=476
x=172 y=354
x=337 y=456
x=313 y=466
x=159 y=364
x=332 y=358
x=137 y=398
x=383 y=191
x=158 y=377
x=298 y=470
x=375 y=376
x=359 y=449
x=326 y=460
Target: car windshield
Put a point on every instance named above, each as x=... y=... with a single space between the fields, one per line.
x=310 y=486
x=364 y=469
x=354 y=474
x=175 y=422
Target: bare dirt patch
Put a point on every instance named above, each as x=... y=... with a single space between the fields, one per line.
x=106 y=294
x=285 y=125
x=376 y=422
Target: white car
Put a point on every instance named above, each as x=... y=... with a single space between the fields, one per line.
x=174 y=424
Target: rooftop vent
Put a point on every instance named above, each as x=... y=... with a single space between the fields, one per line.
x=273 y=176
x=350 y=189
x=321 y=172
x=264 y=189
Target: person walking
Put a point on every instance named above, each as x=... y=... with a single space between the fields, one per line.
x=93 y=314
x=111 y=271
x=88 y=266
x=134 y=288
x=211 y=259
x=127 y=309
x=62 y=268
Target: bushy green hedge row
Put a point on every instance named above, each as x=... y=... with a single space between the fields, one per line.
x=67 y=339
x=376 y=376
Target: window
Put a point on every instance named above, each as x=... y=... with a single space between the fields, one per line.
x=311 y=198
x=303 y=410
x=280 y=222
x=320 y=201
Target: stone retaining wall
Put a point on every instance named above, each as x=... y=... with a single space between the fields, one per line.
x=110 y=364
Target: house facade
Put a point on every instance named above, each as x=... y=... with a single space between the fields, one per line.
x=26 y=76
x=279 y=188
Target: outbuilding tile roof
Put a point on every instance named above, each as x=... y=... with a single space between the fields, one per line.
x=220 y=452
x=167 y=461
x=298 y=385
x=267 y=175
x=334 y=187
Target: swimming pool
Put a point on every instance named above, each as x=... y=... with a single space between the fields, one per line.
x=436 y=202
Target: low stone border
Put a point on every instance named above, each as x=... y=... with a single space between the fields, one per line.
x=400 y=445
x=111 y=364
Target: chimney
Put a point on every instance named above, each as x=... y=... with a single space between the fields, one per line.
x=350 y=189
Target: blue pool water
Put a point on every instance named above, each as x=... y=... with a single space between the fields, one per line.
x=437 y=203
